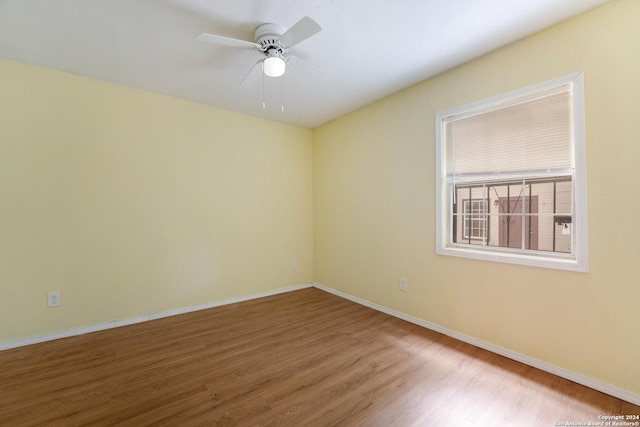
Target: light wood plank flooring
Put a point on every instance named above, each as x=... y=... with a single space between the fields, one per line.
x=305 y=358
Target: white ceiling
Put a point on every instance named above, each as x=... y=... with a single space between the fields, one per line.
x=367 y=49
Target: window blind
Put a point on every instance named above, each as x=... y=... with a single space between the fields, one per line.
x=534 y=135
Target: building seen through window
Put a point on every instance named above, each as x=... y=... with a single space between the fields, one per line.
x=534 y=214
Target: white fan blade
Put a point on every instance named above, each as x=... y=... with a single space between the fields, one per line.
x=301 y=30
x=252 y=76
x=226 y=41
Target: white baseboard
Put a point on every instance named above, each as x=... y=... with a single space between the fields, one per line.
x=130 y=321
x=519 y=357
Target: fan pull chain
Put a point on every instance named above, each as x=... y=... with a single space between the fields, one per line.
x=264 y=104
x=282 y=93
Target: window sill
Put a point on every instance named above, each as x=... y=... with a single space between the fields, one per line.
x=557 y=262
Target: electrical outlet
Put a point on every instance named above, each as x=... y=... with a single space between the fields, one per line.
x=53 y=299
x=294 y=266
x=403 y=284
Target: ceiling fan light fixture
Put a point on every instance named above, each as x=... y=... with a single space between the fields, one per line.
x=274 y=66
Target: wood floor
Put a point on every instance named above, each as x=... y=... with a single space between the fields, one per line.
x=305 y=358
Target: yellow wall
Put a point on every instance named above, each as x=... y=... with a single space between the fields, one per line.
x=131 y=203
x=374 y=206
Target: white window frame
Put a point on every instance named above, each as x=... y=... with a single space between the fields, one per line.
x=578 y=260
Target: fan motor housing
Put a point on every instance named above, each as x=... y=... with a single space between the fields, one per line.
x=268 y=36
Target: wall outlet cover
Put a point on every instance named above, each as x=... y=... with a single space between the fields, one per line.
x=53 y=299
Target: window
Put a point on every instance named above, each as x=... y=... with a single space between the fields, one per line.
x=475 y=219
x=511 y=177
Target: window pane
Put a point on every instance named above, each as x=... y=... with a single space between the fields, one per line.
x=521 y=214
x=545 y=191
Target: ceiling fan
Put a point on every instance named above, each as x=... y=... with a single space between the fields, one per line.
x=271 y=40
